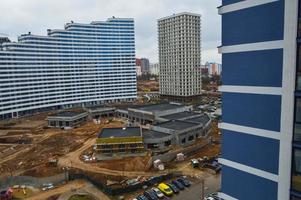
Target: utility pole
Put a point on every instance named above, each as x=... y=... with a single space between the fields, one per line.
x=202 y=189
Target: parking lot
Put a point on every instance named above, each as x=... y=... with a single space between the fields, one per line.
x=193 y=192
x=212 y=184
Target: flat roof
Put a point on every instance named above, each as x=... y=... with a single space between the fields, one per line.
x=150 y=134
x=204 y=119
x=179 y=14
x=120 y=132
x=67 y=114
x=180 y=115
x=158 y=107
x=177 y=125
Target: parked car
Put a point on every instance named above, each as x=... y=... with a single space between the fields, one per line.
x=151 y=195
x=216 y=167
x=178 y=184
x=208 y=198
x=195 y=163
x=47 y=186
x=214 y=196
x=184 y=181
x=165 y=189
x=142 y=197
x=173 y=188
x=158 y=192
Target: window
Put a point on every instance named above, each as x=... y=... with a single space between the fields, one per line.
x=190 y=138
x=298 y=84
x=296 y=170
x=52 y=123
x=297 y=126
x=183 y=140
x=167 y=143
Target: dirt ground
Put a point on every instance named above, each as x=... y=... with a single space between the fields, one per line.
x=68 y=146
x=73 y=185
x=148 y=85
x=33 y=158
x=138 y=163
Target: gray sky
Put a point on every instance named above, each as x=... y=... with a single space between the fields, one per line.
x=21 y=16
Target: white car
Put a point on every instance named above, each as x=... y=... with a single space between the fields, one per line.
x=158 y=192
x=208 y=198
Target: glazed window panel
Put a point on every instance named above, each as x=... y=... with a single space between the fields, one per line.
x=296 y=170
x=298 y=84
x=297 y=126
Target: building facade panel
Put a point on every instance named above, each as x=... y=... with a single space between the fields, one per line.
x=249 y=25
x=256 y=68
x=252 y=110
x=258 y=152
x=242 y=185
x=227 y=2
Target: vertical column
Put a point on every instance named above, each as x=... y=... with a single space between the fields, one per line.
x=287 y=107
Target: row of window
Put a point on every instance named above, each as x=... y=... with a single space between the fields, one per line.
x=296 y=161
x=69 y=100
x=101 y=25
x=71 y=50
x=94 y=32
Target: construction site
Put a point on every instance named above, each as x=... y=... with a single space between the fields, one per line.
x=29 y=147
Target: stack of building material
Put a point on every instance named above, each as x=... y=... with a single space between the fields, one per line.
x=159 y=165
x=180 y=157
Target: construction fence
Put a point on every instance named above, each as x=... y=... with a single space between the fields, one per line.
x=113 y=190
x=10 y=181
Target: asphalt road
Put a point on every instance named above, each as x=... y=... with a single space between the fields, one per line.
x=212 y=184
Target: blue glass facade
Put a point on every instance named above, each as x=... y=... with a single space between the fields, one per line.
x=258 y=39
x=83 y=64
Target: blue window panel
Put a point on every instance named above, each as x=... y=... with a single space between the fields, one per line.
x=256 y=68
x=254 y=110
x=258 y=152
x=256 y=24
x=242 y=185
x=227 y=2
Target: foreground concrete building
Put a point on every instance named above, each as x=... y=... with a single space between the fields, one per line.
x=179 y=39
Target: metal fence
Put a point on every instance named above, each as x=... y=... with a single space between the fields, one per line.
x=6 y=182
x=122 y=189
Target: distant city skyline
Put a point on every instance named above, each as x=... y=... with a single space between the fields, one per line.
x=45 y=14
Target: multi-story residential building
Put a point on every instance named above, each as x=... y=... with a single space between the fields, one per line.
x=138 y=70
x=138 y=62
x=145 y=66
x=261 y=154
x=213 y=68
x=83 y=64
x=4 y=39
x=154 y=69
x=180 y=56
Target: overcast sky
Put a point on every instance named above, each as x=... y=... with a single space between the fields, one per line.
x=21 y=16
